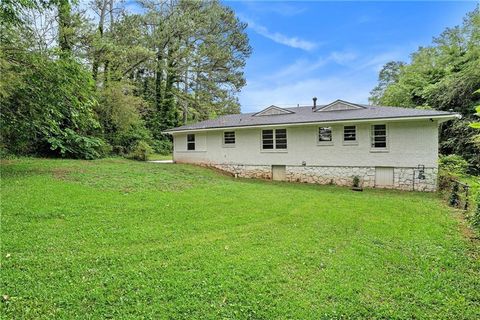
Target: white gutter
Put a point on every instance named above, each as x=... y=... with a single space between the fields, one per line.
x=439 y=118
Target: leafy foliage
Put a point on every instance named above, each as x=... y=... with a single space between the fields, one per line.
x=475 y=219
x=453 y=163
x=120 y=114
x=443 y=76
x=50 y=108
x=388 y=75
x=140 y=151
x=163 y=147
x=356 y=181
x=117 y=82
x=476 y=124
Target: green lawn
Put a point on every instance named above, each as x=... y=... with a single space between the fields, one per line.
x=122 y=239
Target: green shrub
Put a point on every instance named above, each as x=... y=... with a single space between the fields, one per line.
x=126 y=141
x=453 y=164
x=118 y=111
x=51 y=109
x=356 y=182
x=5 y=153
x=141 y=151
x=73 y=145
x=164 y=147
x=475 y=220
x=445 y=179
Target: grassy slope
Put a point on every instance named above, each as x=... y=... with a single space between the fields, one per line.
x=116 y=238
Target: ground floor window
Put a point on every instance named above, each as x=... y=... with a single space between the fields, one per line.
x=349 y=133
x=274 y=139
x=190 y=142
x=229 y=137
x=379 y=136
x=324 y=134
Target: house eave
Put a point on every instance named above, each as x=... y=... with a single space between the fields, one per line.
x=439 y=118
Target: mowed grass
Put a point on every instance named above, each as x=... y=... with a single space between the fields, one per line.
x=122 y=239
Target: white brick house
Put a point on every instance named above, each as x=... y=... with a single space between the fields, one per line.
x=386 y=147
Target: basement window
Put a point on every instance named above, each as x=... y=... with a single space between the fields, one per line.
x=379 y=136
x=274 y=139
x=229 y=138
x=190 y=142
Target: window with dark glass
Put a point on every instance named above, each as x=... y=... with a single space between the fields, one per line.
x=324 y=134
x=350 y=133
x=281 y=139
x=379 y=136
x=190 y=142
x=229 y=137
x=274 y=139
x=267 y=139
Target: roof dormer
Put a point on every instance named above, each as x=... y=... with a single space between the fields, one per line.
x=272 y=111
x=340 y=105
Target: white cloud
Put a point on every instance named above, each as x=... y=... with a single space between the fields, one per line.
x=342 y=57
x=300 y=68
x=278 y=37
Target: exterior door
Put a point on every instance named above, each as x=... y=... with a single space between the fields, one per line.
x=279 y=173
x=383 y=177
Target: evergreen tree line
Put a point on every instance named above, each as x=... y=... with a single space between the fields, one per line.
x=86 y=81
x=443 y=76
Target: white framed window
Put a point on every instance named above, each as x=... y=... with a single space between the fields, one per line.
x=350 y=134
x=190 y=141
x=378 y=136
x=281 y=139
x=229 y=138
x=325 y=134
x=274 y=139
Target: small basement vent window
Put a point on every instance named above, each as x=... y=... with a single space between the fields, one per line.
x=379 y=136
x=350 y=133
x=190 y=142
x=229 y=137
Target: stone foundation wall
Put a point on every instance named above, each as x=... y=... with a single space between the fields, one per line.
x=246 y=171
x=404 y=178
x=407 y=179
x=342 y=176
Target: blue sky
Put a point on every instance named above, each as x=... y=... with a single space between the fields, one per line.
x=332 y=50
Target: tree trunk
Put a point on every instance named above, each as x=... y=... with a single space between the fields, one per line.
x=101 y=22
x=107 y=63
x=64 y=26
x=158 y=82
x=185 y=103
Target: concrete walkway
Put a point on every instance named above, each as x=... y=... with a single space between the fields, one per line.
x=161 y=161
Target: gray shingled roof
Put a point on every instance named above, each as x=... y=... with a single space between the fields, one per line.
x=307 y=115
